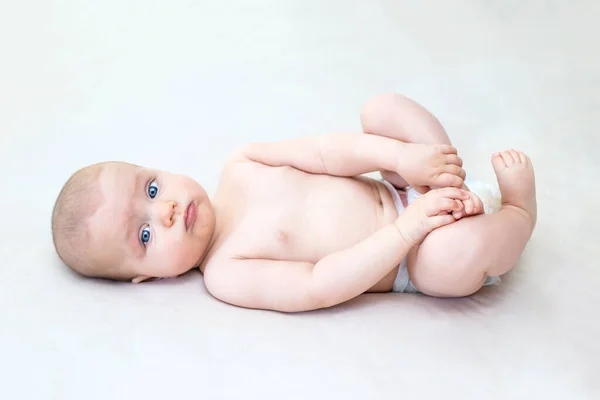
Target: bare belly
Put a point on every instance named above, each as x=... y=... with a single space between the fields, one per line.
x=289 y=215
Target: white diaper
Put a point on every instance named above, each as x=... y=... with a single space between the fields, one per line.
x=491 y=203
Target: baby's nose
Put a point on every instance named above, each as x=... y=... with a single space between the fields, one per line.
x=167 y=213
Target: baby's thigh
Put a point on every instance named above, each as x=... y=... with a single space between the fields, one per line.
x=450 y=262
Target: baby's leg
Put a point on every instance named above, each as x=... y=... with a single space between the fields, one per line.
x=398 y=117
x=454 y=260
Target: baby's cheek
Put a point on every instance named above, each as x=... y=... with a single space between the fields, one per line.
x=178 y=256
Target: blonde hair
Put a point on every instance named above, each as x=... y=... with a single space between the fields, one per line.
x=78 y=200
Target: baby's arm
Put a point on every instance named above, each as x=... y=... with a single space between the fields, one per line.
x=290 y=286
x=301 y=286
x=339 y=154
x=343 y=154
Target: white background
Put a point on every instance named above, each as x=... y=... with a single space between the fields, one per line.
x=178 y=84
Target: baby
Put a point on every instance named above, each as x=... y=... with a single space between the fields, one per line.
x=294 y=226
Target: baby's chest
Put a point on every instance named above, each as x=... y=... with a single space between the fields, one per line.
x=306 y=220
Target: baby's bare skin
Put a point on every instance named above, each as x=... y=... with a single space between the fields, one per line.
x=290 y=240
x=294 y=226
x=297 y=230
x=286 y=214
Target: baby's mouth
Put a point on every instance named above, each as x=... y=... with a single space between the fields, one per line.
x=190 y=216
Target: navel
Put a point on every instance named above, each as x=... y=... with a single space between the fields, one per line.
x=282 y=237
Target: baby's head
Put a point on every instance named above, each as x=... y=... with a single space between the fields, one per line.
x=124 y=222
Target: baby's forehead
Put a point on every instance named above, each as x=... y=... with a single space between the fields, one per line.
x=110 y=224
x=119 y=172
x=107 y=223
x=119 y=181
x=113 y=188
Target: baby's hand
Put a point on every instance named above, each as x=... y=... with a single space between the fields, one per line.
x=430 y=211
x=423 y=166
x=472 y=206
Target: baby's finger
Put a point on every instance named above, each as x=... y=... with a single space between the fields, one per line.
x=459 y=209
x=448 y=205
x=451 y=193
x=478 y=205
x=469 y=206
x=441 y=220
x=440 y=206
x=459 y=205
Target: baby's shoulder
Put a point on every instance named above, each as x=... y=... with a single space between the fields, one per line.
x=238 y=163
x=240 y=169
x=225 y=249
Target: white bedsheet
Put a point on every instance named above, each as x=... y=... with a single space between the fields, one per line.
x=178 y=84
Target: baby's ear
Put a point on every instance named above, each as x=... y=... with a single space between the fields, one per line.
x=139 y=279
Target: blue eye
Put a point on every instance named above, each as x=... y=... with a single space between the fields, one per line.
x=152 y=189
x=145 y=235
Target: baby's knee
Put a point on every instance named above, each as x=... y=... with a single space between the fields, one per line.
x=451 y=287
x=448 y=264
x=376 y=111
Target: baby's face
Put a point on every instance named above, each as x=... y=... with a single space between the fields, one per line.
x=152 y=223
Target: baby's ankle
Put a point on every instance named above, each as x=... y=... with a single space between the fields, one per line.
x=530 y=217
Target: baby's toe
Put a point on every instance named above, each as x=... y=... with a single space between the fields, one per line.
x=508 y=158
x=523 y=157
x=447 y=149
x=498 y=162
x=453 y=170
x=454 y=159
x=517 y=156
x=453 y=179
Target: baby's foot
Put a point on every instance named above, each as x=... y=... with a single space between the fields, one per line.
x=516 y=181
x=430 y=166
